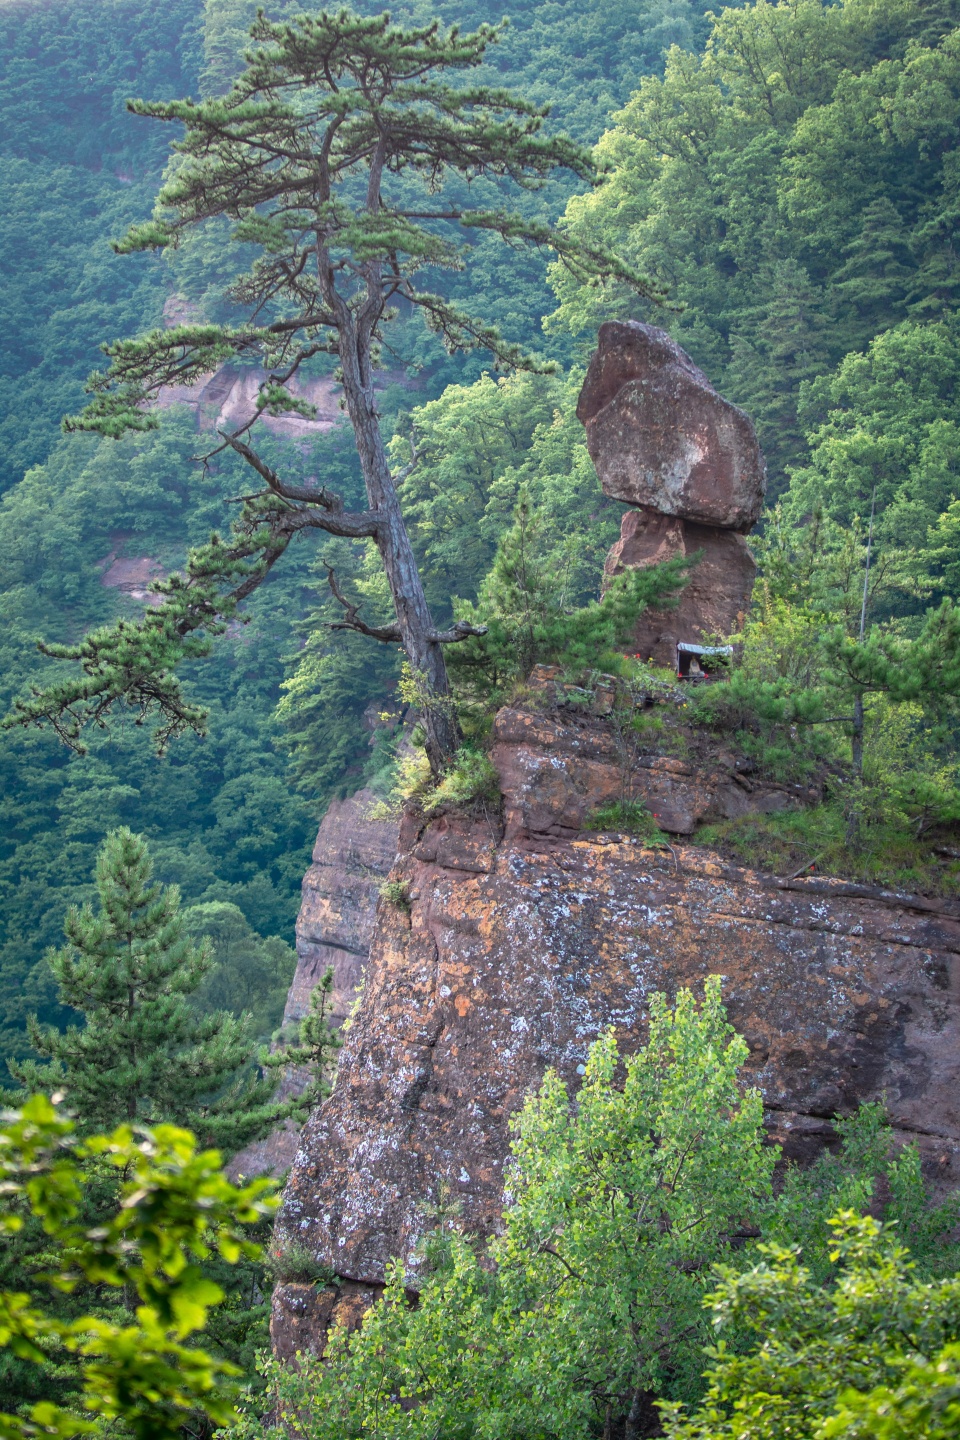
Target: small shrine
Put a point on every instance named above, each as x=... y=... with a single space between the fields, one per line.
x=701 y=662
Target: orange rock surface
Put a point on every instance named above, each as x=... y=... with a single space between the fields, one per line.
x=526 y=938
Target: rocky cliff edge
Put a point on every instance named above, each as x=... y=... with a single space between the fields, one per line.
x=351 y=859
x=524 y=933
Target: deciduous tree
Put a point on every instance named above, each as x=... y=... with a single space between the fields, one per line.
x=589 y=1303
x=876 y=1354
x=174 y=1210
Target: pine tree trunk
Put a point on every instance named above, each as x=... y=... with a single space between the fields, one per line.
x=856 y=746
x=443 y=735
x=857 y=743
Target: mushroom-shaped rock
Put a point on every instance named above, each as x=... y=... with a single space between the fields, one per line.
x=660 y=435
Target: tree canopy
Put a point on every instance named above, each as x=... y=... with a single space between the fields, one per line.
x=326 y=156
x=793 y=189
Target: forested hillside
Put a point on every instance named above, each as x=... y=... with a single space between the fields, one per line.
x=787 y=180
x=75 y=170
x=778 y=186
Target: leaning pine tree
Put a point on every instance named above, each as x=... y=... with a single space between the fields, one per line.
x=144 y=1055
x=329 y=156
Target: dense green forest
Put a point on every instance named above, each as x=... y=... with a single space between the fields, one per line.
x=785 y=174
x=784 y=177
x=227 y=820
x=823 y=306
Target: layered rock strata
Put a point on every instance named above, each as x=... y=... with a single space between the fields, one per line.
x=667 y=444
x=561 y=764
x=525 y=938
x=351 y=859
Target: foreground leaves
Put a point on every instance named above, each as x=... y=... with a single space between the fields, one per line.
x=176 y=1210
x=591 y=1299
x=875 y=1355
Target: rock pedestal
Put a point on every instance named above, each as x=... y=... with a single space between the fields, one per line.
x=715 y=600
x=665 y=442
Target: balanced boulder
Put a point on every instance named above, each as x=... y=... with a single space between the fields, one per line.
x=688 y=462
x=660 y=435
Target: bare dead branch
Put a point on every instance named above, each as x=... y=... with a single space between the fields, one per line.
x=462 y=630
x=388 y=634
x=334 y=520
x=549 y=1250
x=324 y=497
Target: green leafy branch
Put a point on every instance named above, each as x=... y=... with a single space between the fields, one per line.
x=176 y=1209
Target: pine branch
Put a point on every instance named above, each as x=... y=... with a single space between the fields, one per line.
x=461 y=331
x=587 y=261
x=323 y=497
x=924 y=670
x=461 y=630
x=388 y=634
x=131 y=665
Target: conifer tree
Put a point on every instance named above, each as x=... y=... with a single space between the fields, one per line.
x=318 y=1044
x=873 y=282
x=936 y=289
x=330 y=157
x=524 y=604
x=143 y=1054
x=782 y=346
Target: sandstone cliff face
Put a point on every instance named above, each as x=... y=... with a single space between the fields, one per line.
x=351 y=859
x=526 y=938
x=526 y=933
x=227 y=398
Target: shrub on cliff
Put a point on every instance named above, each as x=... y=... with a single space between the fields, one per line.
x=833 y=679
x=524 y=608
x=314 y=1051
x=590 y=1301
